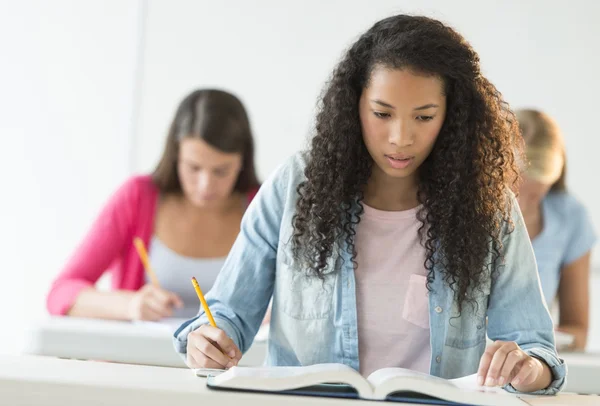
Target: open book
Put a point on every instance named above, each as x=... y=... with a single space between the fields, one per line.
x=338 y=380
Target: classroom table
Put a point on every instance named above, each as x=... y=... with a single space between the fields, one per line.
x=150 y=344
x=141 y=343
x=52 y=381
x=583 y=372
x=27 y=380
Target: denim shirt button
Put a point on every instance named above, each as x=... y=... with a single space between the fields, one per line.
x=438 y=309
x=438 y=359
x=479 y=327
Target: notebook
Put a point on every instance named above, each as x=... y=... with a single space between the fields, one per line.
x=338 y=380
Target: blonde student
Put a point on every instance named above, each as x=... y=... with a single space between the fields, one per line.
x=389 y=242
x=559 y=226
x=187 y=213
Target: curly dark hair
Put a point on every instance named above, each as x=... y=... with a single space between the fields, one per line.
x=464 y=182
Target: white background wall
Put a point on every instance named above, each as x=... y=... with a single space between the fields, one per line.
x=87 y=91
x=67 y=75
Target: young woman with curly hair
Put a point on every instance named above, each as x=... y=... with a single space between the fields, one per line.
x=392 y=240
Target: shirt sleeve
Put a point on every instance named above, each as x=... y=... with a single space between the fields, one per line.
x=516 y=309
x=240 y=296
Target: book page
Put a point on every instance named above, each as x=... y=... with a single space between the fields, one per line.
x=288 y=378
x=469 y=383
x=381 y=375
x=168 y=325
x=563 y=340
x=462 y=390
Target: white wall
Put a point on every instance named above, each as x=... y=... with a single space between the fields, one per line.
x=66 y=106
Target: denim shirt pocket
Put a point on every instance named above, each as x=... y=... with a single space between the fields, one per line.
x=305 y=296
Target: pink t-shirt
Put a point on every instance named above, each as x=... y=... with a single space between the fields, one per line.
x=391 y=295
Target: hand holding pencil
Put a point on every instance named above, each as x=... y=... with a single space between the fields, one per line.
x=209 y=346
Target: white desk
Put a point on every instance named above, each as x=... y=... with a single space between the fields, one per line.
x=584 y=372
x=146 y=344
x=28 y=380
x=116 y=341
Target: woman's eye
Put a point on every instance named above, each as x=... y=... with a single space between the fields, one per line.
x=379 y=114
x=425 y=118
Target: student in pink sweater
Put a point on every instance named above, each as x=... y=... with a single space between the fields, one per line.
x=187 y=212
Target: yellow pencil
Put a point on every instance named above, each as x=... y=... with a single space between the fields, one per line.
x=203 y=301
x=139 y=246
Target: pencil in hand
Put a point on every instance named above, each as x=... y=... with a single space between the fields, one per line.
x=211 y=320
x=141 y=249
x=231 y=355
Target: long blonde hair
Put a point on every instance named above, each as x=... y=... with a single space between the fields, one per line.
x=544 y=148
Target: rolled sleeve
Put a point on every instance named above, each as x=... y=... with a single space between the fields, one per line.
x=517 y=311
x=557 y=366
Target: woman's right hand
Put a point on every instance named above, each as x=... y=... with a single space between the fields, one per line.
x=210 y=347
x=153 y=303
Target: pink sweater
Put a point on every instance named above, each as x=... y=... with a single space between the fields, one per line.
x=109 y=245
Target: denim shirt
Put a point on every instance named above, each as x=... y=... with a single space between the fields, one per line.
x=314 y=321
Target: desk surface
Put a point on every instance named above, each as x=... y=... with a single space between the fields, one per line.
x=51 y=381
x=150 y=344
x=116 y=341
x=583 y=372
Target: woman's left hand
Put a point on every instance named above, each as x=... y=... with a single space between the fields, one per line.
x=504 y=362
